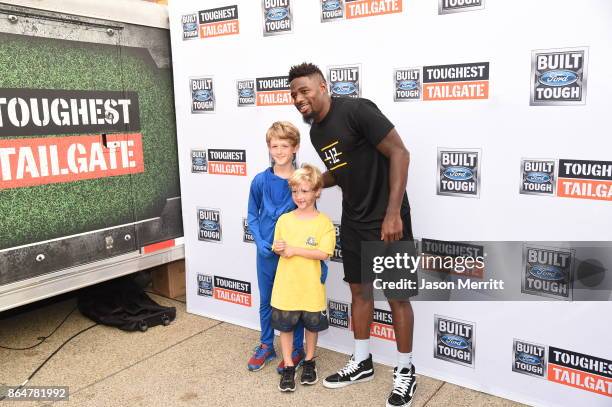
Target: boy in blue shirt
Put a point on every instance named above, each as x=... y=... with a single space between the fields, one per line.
x=269 y=198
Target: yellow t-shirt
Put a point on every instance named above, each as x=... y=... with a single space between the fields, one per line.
x=297 y=285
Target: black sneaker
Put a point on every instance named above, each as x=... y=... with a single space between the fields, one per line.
x=352 y=373
x=309 y=372
x=404 y=386
x=287 y=381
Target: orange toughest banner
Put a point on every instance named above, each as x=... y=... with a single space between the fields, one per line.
x=227 y=168
x=580 y=380
x=369 y=8
x=234 y=297
x=39 y=161
x=584 y=189
x=274 y=98
x=456 y=90
x=219 y=29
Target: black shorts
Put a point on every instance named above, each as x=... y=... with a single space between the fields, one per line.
x=285 y=321
x=351 y=238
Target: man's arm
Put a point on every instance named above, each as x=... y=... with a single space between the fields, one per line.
x=328 y=179
x=393 y=148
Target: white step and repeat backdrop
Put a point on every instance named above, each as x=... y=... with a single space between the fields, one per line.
x=505 y=107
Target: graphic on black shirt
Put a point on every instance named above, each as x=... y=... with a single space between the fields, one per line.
x=330 y=155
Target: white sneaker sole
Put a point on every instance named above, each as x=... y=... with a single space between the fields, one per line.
x=294 y=387
x=337 y=385
x=403 y=405
x=309 y=383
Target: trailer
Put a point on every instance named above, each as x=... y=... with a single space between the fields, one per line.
x=89 y=180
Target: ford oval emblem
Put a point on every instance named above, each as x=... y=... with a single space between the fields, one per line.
x=210 y=225
x=202 y=95
x=457 y=173
x=337 y=314
x=547 y=272
x=558 y=77
x=199 y=161
x=455 y=341
x=407 y=85
x=529 y=359
x=277 y=13
x=246 y=93
x=344 y=88
x=190 y=26
x=331 y=5
x=538 y=177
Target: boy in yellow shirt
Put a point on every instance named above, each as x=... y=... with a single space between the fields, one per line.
x=303 y=237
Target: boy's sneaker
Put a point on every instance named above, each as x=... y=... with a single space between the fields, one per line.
x=297 y=356
x=262 y=354
x=287 y=380
x=309 y=372
x=352 y=373
x=404 y=386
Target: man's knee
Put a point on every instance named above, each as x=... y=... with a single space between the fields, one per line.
x=362 y=293
x=399 y=303
x=400 y=308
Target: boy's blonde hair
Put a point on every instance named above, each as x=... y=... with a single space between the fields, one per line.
x=308 y=173
x=283 y=131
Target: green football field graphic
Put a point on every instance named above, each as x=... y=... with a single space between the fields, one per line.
x=39 y=213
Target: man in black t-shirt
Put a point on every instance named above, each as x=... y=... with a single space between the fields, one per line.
x=367 y=159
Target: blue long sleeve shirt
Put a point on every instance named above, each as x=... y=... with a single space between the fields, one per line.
x=269 y=198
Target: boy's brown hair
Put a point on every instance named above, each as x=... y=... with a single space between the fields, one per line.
x=283 y=131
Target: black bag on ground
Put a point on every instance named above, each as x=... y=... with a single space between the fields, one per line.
x=122 y=303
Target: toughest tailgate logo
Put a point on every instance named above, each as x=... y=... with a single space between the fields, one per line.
x=585 y=179
x=456 y=82
x=28 y=162
x=234 y=291
x=220 y=21
x=369 y=8
x=33 y=112
x=273 y=91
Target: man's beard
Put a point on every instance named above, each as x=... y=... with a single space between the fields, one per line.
x=308 y=118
